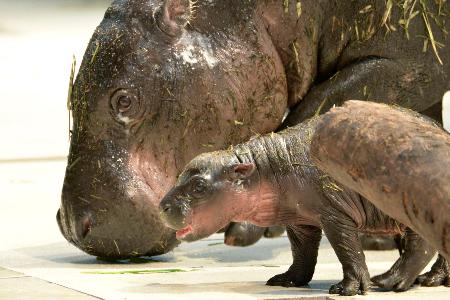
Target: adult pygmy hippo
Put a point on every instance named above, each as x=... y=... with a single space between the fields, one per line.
x=164 y=80
x=271 y=180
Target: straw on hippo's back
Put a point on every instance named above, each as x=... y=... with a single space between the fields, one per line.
x=271 y=180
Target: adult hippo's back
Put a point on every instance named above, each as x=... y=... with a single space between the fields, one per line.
x=162 y=81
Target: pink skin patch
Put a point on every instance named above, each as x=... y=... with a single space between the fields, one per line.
x=156 y=178
x=205 y=219
x=182 y=233
x=208 y=217
x=257 y=206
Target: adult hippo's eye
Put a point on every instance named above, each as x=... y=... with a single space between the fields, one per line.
x=125 y=105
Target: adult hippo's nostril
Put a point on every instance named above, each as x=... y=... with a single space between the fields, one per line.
x=58 y=220
x=86 y=224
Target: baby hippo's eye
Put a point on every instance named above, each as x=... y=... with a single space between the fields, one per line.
x=199 y=187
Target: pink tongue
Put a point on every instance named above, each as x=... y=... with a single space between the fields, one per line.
x=183 y=232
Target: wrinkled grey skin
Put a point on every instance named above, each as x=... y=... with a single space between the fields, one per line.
x=272 y=181
x=161 y=83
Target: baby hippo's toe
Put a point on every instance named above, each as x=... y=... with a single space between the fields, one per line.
x=287 y=279
x=350 y=287
x=393 y=281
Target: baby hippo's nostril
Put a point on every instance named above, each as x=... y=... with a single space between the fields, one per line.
x=167 y=208
x=86 y=224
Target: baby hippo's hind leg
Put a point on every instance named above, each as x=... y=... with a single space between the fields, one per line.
x=402 y=274
x=439 y=274
x=342 y=233
x=305 y=242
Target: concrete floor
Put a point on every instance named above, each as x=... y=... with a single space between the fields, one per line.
x=37 y=41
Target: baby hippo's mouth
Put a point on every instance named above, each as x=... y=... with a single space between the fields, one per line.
x=183 y=232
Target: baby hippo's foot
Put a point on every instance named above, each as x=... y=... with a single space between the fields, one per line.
x=288 y=279
x=394 y=281
x=438 y=275
x=351 y=287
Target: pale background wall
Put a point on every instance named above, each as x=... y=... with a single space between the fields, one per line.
x=446 y=111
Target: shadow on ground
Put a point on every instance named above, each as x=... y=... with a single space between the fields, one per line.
x=244 y=287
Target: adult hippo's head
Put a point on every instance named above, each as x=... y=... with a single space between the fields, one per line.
x=157 y=86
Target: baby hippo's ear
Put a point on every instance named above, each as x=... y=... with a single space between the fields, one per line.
x=242 y=171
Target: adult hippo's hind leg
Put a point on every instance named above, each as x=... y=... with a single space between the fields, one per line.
x=305 y=242
x=403 y=273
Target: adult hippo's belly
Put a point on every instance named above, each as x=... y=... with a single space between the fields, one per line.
x=164 y=80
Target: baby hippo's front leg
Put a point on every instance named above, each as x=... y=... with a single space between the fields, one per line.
x=343 y=237
x=305 y=242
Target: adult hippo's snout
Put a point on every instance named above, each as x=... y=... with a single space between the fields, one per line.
x=115 y=216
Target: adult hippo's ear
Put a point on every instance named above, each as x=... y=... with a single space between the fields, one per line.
x=242 y=171
x=173 y=16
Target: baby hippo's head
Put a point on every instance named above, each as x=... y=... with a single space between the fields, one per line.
x=209 y=193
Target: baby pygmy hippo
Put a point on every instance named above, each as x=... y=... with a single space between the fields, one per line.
x=270 y=180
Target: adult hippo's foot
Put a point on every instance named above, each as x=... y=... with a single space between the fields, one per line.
x=274 y=231
x=438 y=275
x=243 y=234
